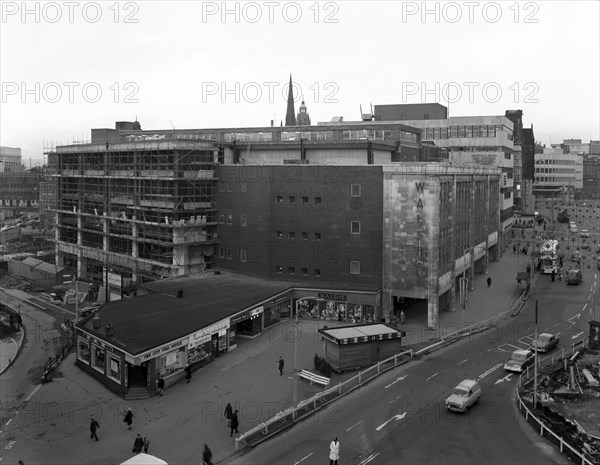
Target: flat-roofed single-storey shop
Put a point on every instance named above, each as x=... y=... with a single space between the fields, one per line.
x=129 y=344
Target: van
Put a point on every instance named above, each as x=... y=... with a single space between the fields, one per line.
x=467 y=393
x=574 y=276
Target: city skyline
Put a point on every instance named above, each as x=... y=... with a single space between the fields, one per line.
x=205 y=65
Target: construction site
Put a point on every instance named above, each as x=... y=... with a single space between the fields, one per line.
x=129 y=212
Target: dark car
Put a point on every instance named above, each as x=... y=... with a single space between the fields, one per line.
x=520 y=360
x=545 y=342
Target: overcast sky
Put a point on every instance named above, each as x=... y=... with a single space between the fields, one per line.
x=212 y=64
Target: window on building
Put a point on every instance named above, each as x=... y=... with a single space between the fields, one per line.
x=278 y=269
x=317 y=236
x=229 y=218
x=291 y=235
x=304 y=200
x=461 y=131
x=355 y=227
x=304 y=271
x=291 y=270
x=317 y=200
x=355 y=190
x=304 y=236
x=292 y=200
x=317 y=273
x=279 y=234
x=243 y=219
x=222 y=218
x=242 y=255
x=279 y=199
x=469 y=131
x=229 y=253
x=354 y=267
x=221 y=252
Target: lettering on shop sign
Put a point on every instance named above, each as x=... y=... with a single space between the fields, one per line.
x=336 y=297
x=420 y=186
x=162 y=350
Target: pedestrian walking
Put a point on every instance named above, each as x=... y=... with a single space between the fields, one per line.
x=188 y=373
x=94 y=425
x=161 y=386
x=553 y=275
x=281 y=363
x=146 y=445
x=228 y=413
x=138 y=444
x=234 y=423
x=334 y=451
x=128 y=417
x=489 y=281
x=207 y=455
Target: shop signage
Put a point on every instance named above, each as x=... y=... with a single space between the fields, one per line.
x=115 y=279
x=240 y=317
x=256 y=311
x=202 y=336
x=280 y=299
x=162 y=350
x=336 y=297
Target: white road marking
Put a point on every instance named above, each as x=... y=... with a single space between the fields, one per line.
x=432 y=376
x=462 y=362
x=495 y=367
x=394 y=382
x=369 y=458
x=506 y=378
x=358 y=423
x=304 y=458
x=395 y=417
x=577 y=335
x=10 y=444
x=33 y=392
x=394 y=400
x=583 y=309
x=574 y=317
x=8 y=422
x=557 y=324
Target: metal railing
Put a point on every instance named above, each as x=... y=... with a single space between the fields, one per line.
x=544 y=430
x=289 y=416
x=53 y=363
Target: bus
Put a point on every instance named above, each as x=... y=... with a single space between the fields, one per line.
x=549 y=256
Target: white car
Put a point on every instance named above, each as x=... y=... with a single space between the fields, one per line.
x=465 y=394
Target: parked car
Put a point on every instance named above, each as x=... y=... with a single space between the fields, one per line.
x=545 y=342
x=574 y=276
x=585 y=233
x=520 y=360
x=85 y=311
x=575 y=256
x=465 y=394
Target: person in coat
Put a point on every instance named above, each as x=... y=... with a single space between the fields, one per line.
x=207 y=455
x=334 y=451
x=489 y=281
x=228 y=413
x=94 y=425
x=128 y=417
x=138 y=444
x=146 y=445
x=188 y=373
x=280 y=365
x=161 y=386
x=234 y=423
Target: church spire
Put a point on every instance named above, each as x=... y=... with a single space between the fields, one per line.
x=290 y=115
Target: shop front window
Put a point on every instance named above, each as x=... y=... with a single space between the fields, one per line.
x=98 y=360
x=83 y=350
x=200 y=353
x=337 y=311
x=232 y=337
x=223 y=342
x=114 y=369
x=171 y=363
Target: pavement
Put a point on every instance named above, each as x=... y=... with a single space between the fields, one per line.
x=190 y=415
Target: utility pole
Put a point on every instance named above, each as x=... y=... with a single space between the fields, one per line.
x=535 y=363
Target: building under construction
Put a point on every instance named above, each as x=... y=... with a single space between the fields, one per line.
x=136 y=211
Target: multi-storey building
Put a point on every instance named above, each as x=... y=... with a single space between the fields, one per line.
x=554 y=172
x=10 y=160
x=145 y=209
x=18 y=191
x=591 y=178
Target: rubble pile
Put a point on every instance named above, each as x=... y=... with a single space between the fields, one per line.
x=569 y=401
x=10 y=282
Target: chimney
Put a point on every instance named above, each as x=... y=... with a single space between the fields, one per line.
x=109 y=331
x=179 y=293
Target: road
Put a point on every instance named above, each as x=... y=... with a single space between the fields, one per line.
x=43 y=337
x=400 y=417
